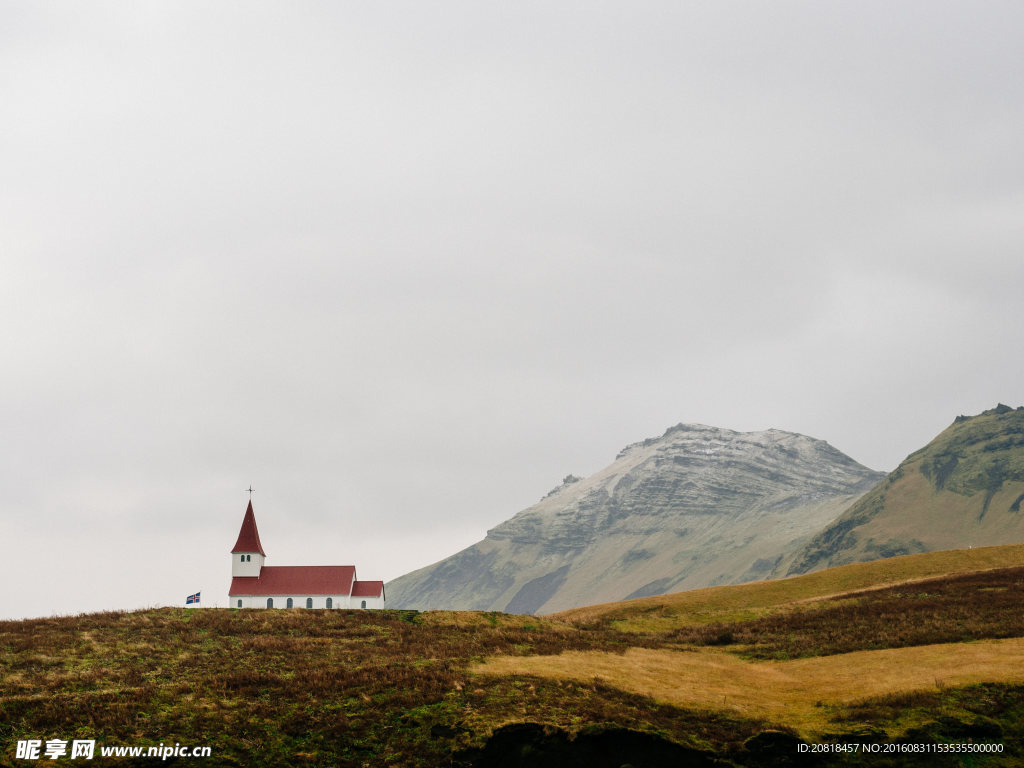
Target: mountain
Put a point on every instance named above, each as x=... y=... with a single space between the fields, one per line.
x=695 y=507
x=965 y=488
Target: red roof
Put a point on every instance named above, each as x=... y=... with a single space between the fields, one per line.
x=249 y=536
x=298 y=580
x=368 y=589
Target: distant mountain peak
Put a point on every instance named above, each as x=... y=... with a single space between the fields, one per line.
x=696 y=506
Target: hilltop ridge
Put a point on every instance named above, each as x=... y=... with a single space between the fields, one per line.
x=964 y=488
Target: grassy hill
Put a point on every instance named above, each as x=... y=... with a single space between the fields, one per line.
x=965 y=488
x=747 y=601
x=805 y=651
x=927 y=648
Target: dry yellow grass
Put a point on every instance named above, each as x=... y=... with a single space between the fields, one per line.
x=747 y=601
x=790 y=693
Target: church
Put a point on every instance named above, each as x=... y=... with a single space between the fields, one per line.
x=255 y=585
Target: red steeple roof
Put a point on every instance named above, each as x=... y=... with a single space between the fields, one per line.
x=249 y=536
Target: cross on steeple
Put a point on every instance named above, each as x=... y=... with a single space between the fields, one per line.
x=250 y=490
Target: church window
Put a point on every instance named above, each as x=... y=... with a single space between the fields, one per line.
x=241 y=558
x=239 y=603
x=309 y=602
x=330 y=603
x=248 y=558
x=290 y=603
x=270 y=602
x=363 y=605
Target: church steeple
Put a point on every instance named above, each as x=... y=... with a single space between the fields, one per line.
x=247 y=556
x=249 y=535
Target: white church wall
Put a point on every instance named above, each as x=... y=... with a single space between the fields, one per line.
x=250 y=567
x=370 y=602
x=248 y=601
x=299 y=601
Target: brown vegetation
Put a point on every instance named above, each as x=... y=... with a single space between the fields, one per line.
x=281 y=687
x=355 y=688
x=948 y=610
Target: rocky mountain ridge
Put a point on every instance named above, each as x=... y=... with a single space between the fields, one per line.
x=694 y=507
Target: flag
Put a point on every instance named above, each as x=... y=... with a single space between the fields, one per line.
x=192 y=599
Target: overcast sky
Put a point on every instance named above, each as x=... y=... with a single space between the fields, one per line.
x=403 y=266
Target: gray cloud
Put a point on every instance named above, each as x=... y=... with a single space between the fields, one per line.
x=403 y=268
